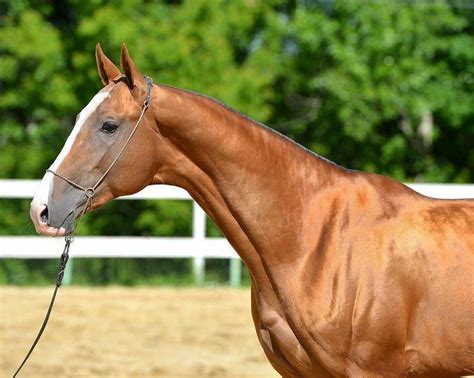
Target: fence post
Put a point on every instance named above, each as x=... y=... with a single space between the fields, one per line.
x=199 y=233
x=235 y=272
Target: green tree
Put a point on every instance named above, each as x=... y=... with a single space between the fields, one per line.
x=381 y=86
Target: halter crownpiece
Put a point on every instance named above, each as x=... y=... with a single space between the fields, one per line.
x=89 y=193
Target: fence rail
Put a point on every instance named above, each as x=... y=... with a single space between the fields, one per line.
x=198 y=247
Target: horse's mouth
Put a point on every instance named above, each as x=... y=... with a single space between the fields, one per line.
x=40 y=216
x=43 y=226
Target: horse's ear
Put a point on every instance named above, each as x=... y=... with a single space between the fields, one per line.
x=107 y=70
x=134 y=77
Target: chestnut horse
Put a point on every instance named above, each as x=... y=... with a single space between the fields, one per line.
x=353 y=274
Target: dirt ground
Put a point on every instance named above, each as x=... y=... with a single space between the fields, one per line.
x=131 y=332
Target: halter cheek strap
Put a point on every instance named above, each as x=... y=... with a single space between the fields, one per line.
x=89 y=193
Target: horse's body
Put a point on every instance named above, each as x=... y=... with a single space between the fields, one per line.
x=352 y=273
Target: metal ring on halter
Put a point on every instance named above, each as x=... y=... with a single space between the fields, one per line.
x=89 y=192
x=69 y=238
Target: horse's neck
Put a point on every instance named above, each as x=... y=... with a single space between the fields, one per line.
x=256 y=185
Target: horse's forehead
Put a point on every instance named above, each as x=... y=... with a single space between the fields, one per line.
x=118 y=96
x=114 y=94
x=92 y=106
x=84 y=115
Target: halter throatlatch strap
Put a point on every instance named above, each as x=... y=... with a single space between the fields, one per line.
x=89 y=193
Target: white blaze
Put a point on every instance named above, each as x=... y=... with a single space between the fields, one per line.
x=41 y=195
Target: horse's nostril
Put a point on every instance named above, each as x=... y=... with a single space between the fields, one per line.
x=44 y=215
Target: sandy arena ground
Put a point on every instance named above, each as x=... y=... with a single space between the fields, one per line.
x=131 y=332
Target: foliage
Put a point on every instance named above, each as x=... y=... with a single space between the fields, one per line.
x=381 y=86
x=383 y=77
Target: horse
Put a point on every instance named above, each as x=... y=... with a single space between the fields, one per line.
x=352 y=273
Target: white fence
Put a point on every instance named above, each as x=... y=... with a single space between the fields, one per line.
x=198 y=247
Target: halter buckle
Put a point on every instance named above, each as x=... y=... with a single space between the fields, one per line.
x=89 y=192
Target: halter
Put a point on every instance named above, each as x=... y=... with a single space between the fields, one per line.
x=89 y=193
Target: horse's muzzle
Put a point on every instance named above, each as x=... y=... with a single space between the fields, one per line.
x=39 y=214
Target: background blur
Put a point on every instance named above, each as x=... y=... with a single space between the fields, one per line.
x=381 y=86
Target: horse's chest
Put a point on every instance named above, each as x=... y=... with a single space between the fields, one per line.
x=281 y=345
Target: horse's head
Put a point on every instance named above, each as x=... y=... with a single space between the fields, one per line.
x=101 y=130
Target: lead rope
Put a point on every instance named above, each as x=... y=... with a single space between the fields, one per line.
x=89 y=193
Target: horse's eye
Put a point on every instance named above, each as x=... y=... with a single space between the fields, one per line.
x=109 y=127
